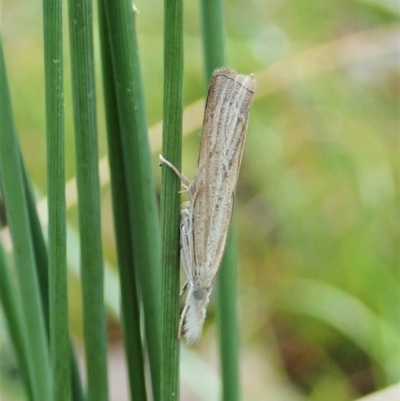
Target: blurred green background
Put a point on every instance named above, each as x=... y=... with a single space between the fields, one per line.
x=317 y=200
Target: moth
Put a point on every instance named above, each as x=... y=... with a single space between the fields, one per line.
x=206 y=218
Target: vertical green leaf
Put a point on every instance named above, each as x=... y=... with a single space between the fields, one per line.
x=58 y=313
x=11 y=304
x=143 y=217
x=84 y=99
x=212 y=24
x=129 y=294
x=11 y=178
x=227 y=319
x=213 y=42
x=42 y=272
x=170 y=197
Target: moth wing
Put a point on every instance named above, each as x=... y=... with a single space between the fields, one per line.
x=223 y=136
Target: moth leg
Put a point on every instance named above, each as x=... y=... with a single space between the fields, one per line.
x=184 y=311
x=183 y=289
x=187 y=246
x=185 y=181
x=135 y=9
x=187 y=258
x=182 y=319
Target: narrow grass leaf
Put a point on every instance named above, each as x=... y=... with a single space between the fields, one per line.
x=84 y=99
x=214 y=57
x=170 y=197
x=42 y=272
x=58 y=313
x=11 y=178
x=227 y=319
x=143 y=217
x=11 y=304
x=128 y=282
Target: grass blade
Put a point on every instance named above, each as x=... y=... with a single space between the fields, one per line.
x=138 y=177
x=58 y=312
x=227 y=320
x=42 y=272
x=213 y=42
x=94 y=322
x=170 y=197
x=11 y=178
x=212 y=31
x=11 y=304
x=129 y=296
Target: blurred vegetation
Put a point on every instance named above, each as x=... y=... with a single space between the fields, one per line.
x=317 y=199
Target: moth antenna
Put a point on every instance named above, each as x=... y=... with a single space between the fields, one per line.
x=185 y=182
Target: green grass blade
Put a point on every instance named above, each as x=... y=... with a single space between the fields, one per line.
x=39 y=246
x=213 y=42
x=58 y=312
x=11 y=178
x=76 y=383
x=227 y=319
x=143 y=216
x=212 y=24
x=42 y=271
x=170 y=197
x=12 y=311
x=129 y=296
x=84 y=98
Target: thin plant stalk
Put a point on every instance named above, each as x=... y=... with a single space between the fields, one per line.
x=11 y=304
x=170 y=197
x=143 y=216
x=42 y=272
x=84 y=100
x=129 y=295
x=214 y=57
x=12 y=181
x=58 y=313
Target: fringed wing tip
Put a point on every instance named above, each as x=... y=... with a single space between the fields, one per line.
x=192 y=320
x=192 y=328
